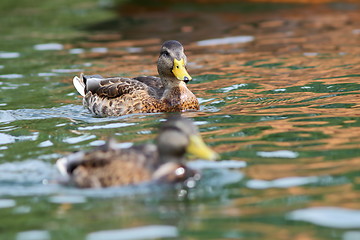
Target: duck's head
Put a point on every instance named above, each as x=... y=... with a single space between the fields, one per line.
x=172 y=62
x=179 y=136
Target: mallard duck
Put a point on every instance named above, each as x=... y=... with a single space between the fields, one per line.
x=109 y=165
x=117 y=96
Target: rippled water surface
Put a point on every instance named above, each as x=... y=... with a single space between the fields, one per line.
x=279 y=91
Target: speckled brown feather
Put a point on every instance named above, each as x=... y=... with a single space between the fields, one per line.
x=125 y=96
x=109 y=167
x=120 y=96
x=180 y=99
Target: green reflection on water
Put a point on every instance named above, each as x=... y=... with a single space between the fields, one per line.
x=336 y=105
x=297 y=67
x=269 y=65
x=344 y=76
x=208 y=77
x=345 y=122
x=246 y=132
x=333 y=154
x=295 y=136
x=320 y=87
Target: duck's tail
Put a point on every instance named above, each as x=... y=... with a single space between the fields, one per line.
x=61 y=165
x=79 y=84
x=66 y=165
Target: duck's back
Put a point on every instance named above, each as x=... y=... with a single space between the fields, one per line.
x=108 y=166
x=154 y=83
x=119 y=96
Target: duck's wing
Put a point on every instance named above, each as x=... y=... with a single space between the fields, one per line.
x=111 y=87
x=153 y=82
x=66 y=165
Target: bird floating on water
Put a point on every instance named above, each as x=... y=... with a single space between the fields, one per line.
x=110 y=165
x=116 y=96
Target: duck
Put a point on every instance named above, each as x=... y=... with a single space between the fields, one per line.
x=117 y=96
x=160 y=162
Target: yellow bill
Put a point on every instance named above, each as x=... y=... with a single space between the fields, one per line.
x=179 y=70
x=198 y=148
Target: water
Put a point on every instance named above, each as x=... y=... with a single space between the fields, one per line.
x=279 y=92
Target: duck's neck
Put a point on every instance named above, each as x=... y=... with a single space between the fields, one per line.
x=172 y=82
x=166 y=158
x=178 y=96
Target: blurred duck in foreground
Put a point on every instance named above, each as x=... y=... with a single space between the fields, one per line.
x=117 y=96
x=109 y=165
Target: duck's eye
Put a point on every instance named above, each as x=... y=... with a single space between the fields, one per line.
x=166 y=53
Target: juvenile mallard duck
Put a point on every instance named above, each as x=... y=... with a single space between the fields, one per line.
x=119 y=96
x=109 y=165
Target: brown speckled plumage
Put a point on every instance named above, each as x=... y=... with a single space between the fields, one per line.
x=120 y=96
x=110 y=165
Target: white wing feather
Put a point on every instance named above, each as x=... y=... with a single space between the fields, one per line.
x=79 y=85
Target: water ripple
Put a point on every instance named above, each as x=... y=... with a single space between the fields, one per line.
x=33 y=235
x=12 y=76
x=226 y=40
x=145 y=232
x=67 y=199
x=334 y=217
x=351 y=235
x=281 y=183
x=67 y=111
x=9 y=54
x=7 y=203
x=110 y=125
x=278 y=154
x=48 y=46
x=26 y=172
